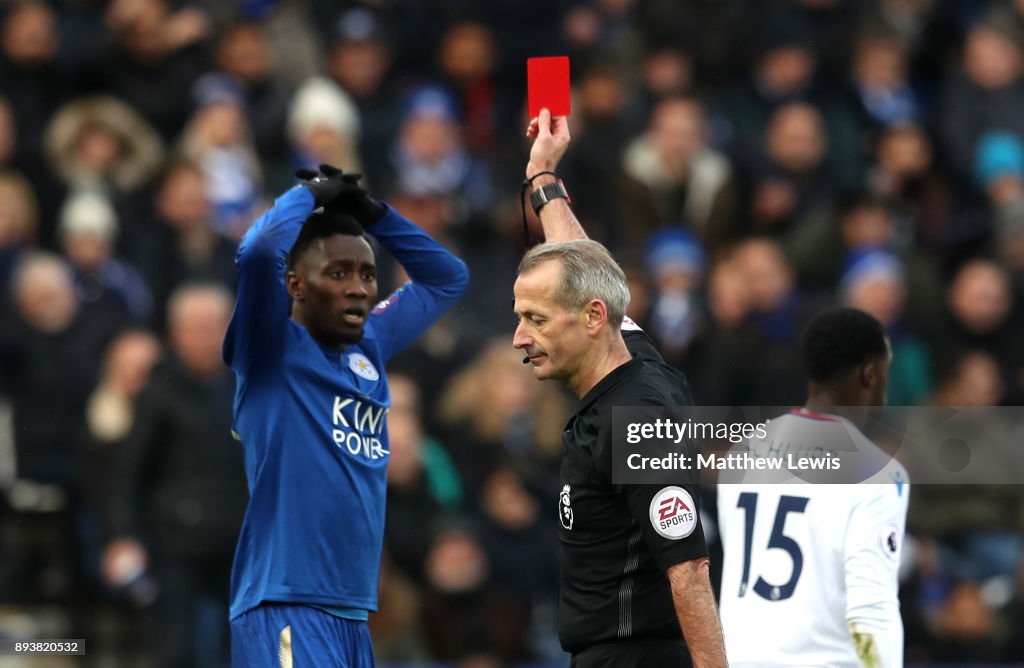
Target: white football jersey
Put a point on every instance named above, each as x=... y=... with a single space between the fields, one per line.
x=802 y=562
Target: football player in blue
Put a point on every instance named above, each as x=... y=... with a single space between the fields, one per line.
x=308 y=348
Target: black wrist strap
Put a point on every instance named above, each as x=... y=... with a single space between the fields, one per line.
x=546 y=193
x=550 y=191
x=539 y=174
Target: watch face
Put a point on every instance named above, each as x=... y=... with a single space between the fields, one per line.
x=537 y=200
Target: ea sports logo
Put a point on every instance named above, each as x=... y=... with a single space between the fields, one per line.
x=671 y=507
x=673 y=513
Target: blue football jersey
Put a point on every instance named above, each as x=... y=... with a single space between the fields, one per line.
x=312 y=419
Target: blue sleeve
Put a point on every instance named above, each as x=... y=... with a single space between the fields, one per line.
x=261 y=312
x=437 y=280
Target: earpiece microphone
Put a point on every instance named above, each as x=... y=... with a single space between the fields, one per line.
x=526 y=360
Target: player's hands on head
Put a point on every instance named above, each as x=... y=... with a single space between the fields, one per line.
x=325 y=187
x=353 y=198
x=550 y=137
x=334 y=188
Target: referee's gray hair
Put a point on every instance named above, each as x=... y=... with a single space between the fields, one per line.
x=588 y=272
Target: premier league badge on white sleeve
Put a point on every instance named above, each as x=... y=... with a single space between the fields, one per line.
x=362 y=367
x=888 y=541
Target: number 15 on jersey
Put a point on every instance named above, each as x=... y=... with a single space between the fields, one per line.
x=778 y=540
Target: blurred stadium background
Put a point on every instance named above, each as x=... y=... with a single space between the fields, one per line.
x=748 y=161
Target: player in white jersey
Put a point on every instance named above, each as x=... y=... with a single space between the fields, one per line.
x=810 y=574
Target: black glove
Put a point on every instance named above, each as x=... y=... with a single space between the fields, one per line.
x=324 y=187
x=353 y=199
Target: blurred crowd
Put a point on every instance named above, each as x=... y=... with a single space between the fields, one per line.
x=747 y=161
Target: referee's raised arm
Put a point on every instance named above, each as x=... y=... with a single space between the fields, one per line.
x=548 y=197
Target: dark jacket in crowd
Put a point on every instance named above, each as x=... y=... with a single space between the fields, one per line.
x=48 y=377
x=180 y=479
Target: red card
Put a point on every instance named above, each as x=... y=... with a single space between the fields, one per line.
x=548 y=85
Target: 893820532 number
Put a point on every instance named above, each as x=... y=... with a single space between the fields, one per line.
x=59 y=647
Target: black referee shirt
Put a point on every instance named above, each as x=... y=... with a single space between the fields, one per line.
x=613 y=582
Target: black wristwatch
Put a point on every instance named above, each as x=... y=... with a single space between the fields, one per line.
x=546 y=193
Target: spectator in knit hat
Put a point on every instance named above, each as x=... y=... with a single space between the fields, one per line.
x=675 y=264
x=323 y=126
x=429 y=156
x=873 y=281
x=217 y=140
x=88 y=230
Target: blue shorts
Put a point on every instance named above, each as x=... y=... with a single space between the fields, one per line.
x=278 y=635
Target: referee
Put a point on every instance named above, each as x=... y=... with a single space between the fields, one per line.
x=630 y=591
